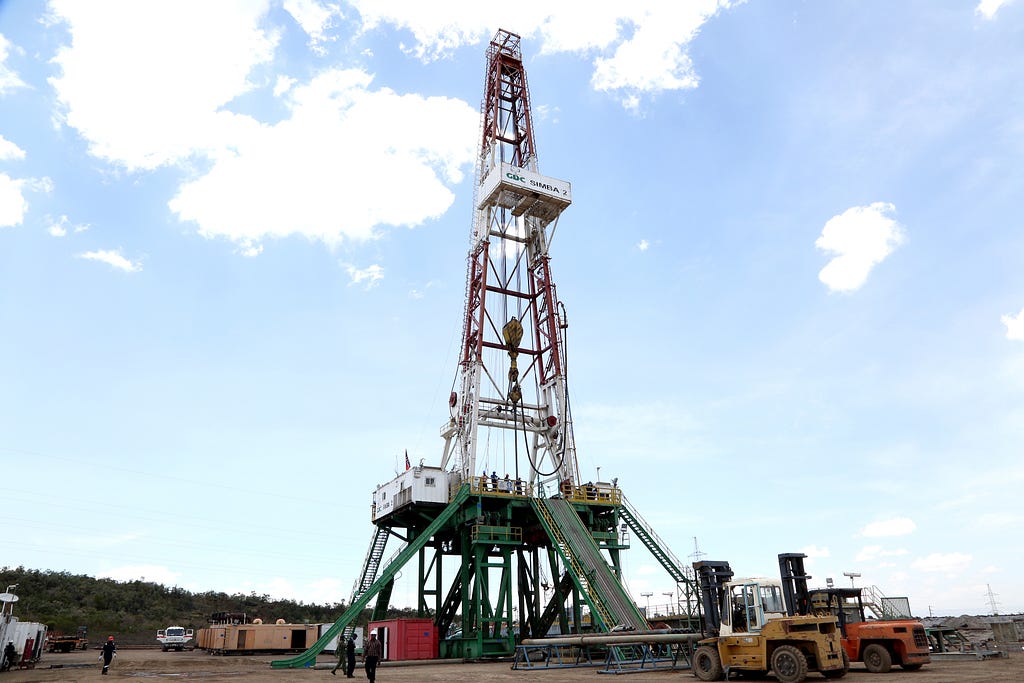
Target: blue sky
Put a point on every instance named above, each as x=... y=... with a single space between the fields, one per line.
x=232 y=269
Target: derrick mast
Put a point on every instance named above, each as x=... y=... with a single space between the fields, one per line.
x=510 y=403
x=512 y=559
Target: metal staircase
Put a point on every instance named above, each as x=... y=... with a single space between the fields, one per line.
x=657 y=547
x=872 y=598
x=680 y=573
x=369 y=574
x=308 y=658
x=608 y=599
x=371 y=564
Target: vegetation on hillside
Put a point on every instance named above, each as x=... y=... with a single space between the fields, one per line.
x=134 y=610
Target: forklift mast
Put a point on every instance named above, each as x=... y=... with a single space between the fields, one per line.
x=712 y=576
x=794 y=583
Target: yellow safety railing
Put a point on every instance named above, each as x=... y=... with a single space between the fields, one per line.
x=485 y=532
x=501 y=487
x=591 y=493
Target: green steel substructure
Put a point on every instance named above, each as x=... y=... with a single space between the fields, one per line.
x=483 y=563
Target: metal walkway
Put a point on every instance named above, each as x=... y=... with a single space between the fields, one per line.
x=610 y=603
x=308 y=658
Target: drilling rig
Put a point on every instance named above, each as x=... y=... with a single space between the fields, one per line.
x=507 y=541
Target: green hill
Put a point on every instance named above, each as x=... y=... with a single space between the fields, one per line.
x=132 y=611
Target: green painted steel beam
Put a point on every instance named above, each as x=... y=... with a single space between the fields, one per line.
x=308 y=658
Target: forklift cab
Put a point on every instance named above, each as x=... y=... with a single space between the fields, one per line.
x=750 y=604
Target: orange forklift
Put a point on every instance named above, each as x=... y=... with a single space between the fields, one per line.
x=877 y=643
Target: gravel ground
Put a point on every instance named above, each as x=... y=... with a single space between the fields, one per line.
x=154 y=664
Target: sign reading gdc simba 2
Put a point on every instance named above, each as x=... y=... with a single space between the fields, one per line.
x=508 y=186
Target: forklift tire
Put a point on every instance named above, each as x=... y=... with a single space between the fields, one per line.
x=877 y=659
x=789 y=664
x=707 y=665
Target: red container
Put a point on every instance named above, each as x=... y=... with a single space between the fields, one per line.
x=406 y=638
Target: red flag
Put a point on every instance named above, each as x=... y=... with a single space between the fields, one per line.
x=407 y=460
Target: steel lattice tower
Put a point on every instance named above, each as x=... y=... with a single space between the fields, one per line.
x=511 y=397
x=501 y=559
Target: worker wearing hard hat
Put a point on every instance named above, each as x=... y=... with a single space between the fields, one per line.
x=372 y=653
x=109 y=652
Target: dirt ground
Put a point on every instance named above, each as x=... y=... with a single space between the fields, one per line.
x=154 y=664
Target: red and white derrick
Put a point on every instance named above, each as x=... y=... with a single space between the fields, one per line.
x=510 y=405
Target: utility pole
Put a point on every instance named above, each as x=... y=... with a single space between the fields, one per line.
x=993 y=605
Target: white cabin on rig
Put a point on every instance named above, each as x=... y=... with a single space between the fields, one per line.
x=417 y=485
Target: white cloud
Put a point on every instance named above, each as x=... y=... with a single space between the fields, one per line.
x=10 y=151
x=870 y=553
x=188 y=59
x=370 y=276
x=420 y=293
x=9 y=80
x=331 y=170
x=643 y=245
x=813 y=551
x=112 y=258
x=949 y=563
x=994 y=520
x=861 y=237
x=250 y=250
x=545 y=112
x=642 y=45
x=1014 y=326
x=60 y=226
x=12 y=202
x=282 y=85
x=315 y=18
x=328 y=171
x=654 y=58
x=988 y=8
x=898 y=526
x=139 y=572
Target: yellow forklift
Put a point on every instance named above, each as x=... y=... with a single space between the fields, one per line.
x=749 y=628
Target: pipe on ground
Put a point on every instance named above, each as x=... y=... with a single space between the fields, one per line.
x=616 y=639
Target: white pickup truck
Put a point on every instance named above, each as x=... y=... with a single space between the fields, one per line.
x=174 y=638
